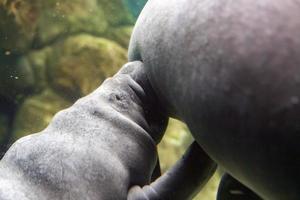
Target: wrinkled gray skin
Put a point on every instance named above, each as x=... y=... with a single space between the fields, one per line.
x=102 y=148
x=231 y=70
x=93 y=150
x=228 y=68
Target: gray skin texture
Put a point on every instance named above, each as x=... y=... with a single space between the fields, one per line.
x=103 y=148
x=230 y=70
x=96 y=149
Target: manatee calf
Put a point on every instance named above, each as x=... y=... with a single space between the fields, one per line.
x=231 y=70
x=95 y=149
x=99 y=148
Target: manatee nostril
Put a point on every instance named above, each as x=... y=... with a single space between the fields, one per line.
x=118 y=97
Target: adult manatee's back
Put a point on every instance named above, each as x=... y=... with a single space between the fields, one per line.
x=231 y=70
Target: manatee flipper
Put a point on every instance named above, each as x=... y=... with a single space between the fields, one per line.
x=156 y=172
x=180 y=182
x=232 y=189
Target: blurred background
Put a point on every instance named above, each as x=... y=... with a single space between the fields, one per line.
x=53 y=52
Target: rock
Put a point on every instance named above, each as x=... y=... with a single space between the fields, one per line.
x=37 y=59
x=7 y=113
x=16 y=76
x=4 y=128
x=65 y=17
x=47 y=21
x=14 y=36
x=79 y=64
x=120 y=35
x=34 y=23
x=36 y=112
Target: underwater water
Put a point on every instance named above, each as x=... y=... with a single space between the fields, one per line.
x=56 y=51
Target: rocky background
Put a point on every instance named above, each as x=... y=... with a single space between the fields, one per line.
x=56 y=51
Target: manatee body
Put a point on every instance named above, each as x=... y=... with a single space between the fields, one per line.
x=231 y=71
x=103 y=147
x=96 y=149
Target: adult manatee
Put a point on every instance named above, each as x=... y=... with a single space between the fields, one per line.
x=231 y=70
